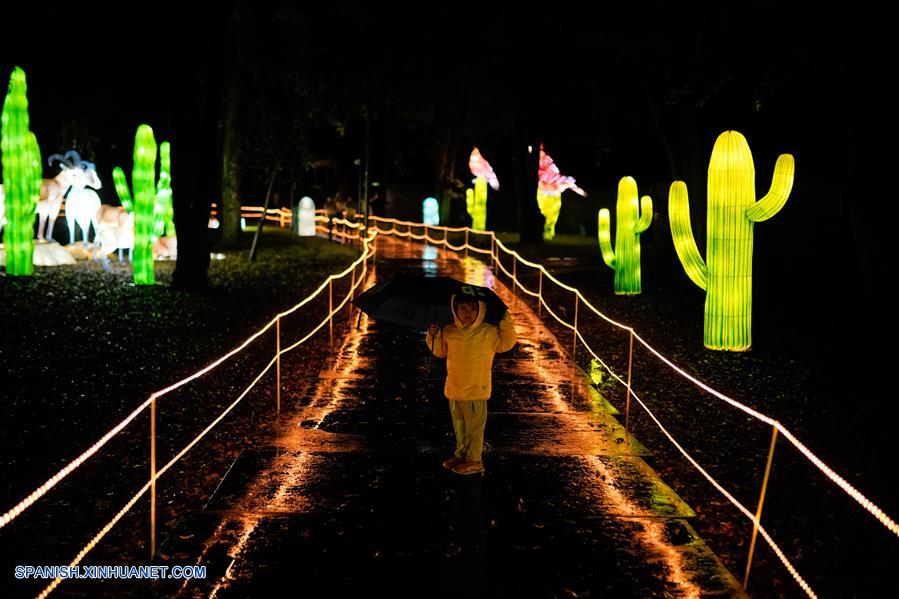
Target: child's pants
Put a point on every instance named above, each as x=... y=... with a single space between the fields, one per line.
x=469 y=420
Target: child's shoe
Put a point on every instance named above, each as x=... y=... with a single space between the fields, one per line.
x=452 y=462
x=466 y=467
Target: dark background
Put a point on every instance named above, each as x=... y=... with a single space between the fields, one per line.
x=642 y=90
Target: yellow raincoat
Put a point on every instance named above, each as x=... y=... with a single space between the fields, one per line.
x=469 y=353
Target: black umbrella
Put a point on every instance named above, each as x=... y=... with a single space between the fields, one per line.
x=419 y=302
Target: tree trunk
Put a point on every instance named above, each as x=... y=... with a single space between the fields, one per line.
x=193 y=165
x=530 y=221
x=229 y=209
x=268 y=196
x=444 y=173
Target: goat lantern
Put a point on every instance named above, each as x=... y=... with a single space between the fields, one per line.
x=726 y=274
x=81 y=202
x=307 y=217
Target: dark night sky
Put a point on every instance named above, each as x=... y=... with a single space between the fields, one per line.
x=640 y=90
x=600 y=86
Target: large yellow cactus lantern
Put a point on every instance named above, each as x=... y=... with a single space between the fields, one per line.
x=726 y=275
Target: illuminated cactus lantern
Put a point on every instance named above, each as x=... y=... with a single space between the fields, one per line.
x=476 y=201
x=307 y=217
x=726 y=275
x=632 y=218
x=164 y=225
x=143 y=178
x=550 y=185
x=22 y=174
x=430 y=211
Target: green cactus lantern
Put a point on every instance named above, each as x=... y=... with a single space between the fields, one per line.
x=143 y=180
x=476 y=204
x=21 y=163
x=726 y=275
x=164 y=223
x=476 y=201
x=632 y=218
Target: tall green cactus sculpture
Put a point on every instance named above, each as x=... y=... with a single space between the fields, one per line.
x=726 y=276
x=21 y=163
x=476 y=204
x=164 y=225
x=632 y=218
x=143 y=180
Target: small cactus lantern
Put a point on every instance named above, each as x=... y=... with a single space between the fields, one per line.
x=632 y=218
x=726 y=275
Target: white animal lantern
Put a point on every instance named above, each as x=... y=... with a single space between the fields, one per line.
x=307 y=217
x=82 y=204
x=74 y=173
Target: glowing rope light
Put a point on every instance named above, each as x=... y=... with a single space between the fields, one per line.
x=732 y=210
x=866 y=503
x=20 y=507
x=786 y=562
x=550 y=185
x=22 y=180
x=632 y=218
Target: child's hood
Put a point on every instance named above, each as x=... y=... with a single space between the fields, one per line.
x=482 y=312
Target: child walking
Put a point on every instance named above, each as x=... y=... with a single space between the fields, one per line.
x=469 y=345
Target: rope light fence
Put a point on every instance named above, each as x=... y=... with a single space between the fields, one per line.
x=346 y=230
x=349 y=231
x=777 y=428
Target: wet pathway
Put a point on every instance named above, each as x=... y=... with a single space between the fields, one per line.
x=351 y=500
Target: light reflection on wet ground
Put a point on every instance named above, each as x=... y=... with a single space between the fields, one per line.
x=351 y=497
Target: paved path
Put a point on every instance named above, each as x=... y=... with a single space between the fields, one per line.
x=351 y=500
